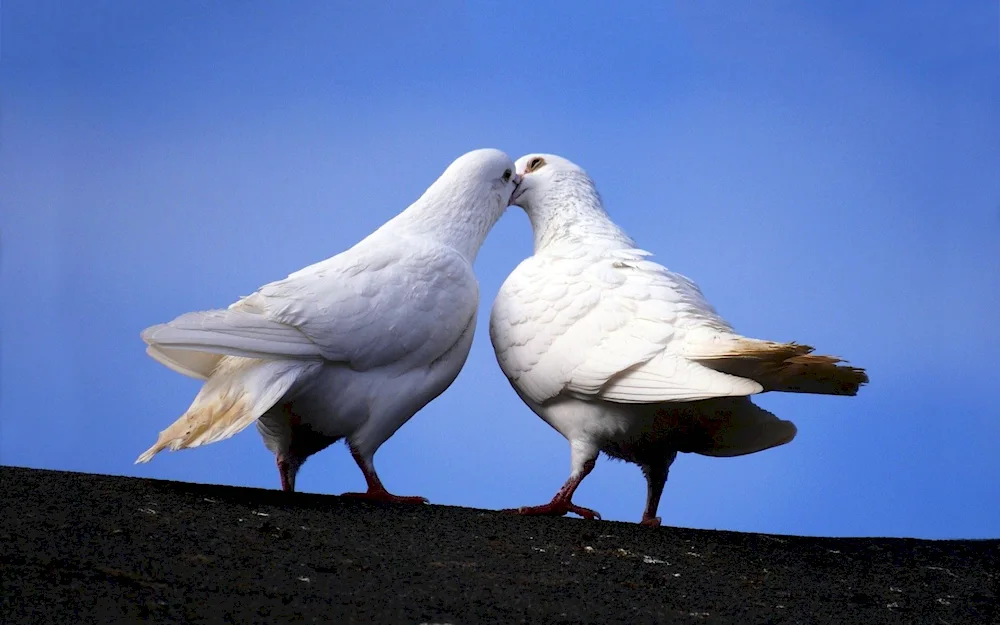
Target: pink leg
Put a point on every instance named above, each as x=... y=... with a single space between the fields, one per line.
x=377 y=492
x=656 y=477
x=286 y=471
x=562 y=503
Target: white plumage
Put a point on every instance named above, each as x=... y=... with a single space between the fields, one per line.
x=350 y=347
x=623 y=356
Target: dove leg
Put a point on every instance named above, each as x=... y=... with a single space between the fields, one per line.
x=583 y=463
x=291 y=441
x=376 y=491
x=656 y=478
x=285 y=424
x=286 y=471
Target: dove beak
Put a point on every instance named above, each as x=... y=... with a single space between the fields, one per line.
x=518 y=190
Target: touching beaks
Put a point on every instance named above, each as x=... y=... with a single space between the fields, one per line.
x=517 y=192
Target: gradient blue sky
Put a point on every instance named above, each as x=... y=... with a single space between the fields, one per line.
x=828 y=172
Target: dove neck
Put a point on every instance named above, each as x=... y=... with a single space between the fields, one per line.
x=453 y=220
x=576 y=215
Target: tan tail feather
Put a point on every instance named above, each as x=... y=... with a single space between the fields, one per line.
x=220 y=417
x=238 y=392
x=788 y=367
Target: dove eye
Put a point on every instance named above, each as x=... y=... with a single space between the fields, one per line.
x=534 y=164
x=506 y=175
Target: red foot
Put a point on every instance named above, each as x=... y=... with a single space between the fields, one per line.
x=650 y=521
x=385 y=497
x=377 y=492
x=556 y=508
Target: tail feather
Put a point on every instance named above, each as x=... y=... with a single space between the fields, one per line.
x=236 y=394
x=198 y=365
x=735 y=426
x=194 y=343
x=786 y=367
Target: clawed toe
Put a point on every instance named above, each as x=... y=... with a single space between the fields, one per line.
x=386 y=497
x=555 y=508
x=586 y=513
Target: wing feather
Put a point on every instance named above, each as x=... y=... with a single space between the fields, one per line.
x=368 y=307
x=606 y=325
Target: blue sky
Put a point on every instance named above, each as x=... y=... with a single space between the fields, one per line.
x=828 y=172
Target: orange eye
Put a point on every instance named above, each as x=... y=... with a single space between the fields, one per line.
x=535 y=164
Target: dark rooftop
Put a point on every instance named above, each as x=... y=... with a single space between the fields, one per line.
x=82 y=548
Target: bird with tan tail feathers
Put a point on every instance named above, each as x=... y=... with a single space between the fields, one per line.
x=350 y=347
x=622 y=356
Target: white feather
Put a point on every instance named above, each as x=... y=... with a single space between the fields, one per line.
x=353 y=345
x=606 y=325
x=621 y=355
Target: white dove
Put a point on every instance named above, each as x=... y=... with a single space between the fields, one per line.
x=620 y=355
x=350 y=347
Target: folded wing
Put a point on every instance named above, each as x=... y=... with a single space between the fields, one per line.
x=618 y=327
x=365 y=308
x=606 y=327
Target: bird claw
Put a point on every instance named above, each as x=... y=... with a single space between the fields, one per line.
x=386 y=497
x=556 y=508
x=586 y=513
x=650 y=521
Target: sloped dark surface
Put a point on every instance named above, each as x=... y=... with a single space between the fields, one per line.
x=85 y=548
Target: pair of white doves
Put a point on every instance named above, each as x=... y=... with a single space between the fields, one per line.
x=611 y=349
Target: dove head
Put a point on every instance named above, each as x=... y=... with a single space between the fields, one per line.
x=562 y=202
x=465 y=202
x=488 y=167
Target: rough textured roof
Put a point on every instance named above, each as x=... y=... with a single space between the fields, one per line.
x=89 y=548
